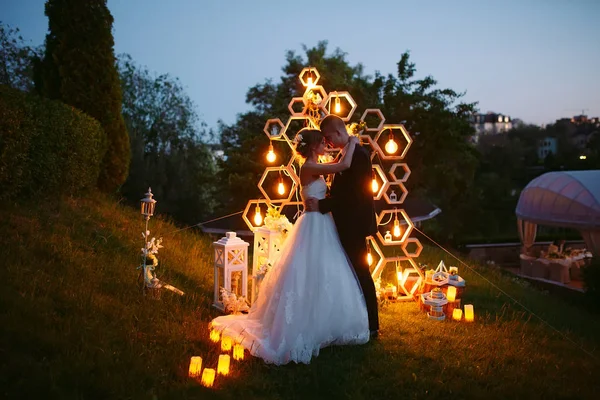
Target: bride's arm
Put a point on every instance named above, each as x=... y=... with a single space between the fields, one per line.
x=333 y=167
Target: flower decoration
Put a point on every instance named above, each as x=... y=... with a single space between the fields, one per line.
x=277 y=222
x=298 y=141
x=232 y=303
x=356 y=128
x=151 y=249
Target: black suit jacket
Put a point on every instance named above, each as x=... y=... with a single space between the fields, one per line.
x=350 y=199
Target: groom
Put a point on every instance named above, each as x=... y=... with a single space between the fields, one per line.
x=350 y=201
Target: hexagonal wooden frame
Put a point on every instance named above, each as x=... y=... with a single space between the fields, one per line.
x=348 y=98
x=316 y=88
x=291 y=137
x=309 y=69
x=379 y=114
x=417 y=252
x=407 y=231
x=291 y=107
x=250 y=207
x=268 y=125
x=406 y=172
x=401 y=197
x=292 y=189
x=406 y=272
x=406 y=137
x=384 y=181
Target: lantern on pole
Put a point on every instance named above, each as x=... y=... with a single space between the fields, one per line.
x=147 y=205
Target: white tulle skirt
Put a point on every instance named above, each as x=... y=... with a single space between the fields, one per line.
x=309 y=299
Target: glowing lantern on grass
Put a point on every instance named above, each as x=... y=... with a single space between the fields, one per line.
x=469 y=314
x=208 y=377
x=231 y=264
x=238 y=352
x=223 y=366
x=457 y=314
x=195 y=366
x=226 y=343
x=451 y=293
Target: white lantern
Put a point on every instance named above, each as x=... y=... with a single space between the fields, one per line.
x=267 y=247
x=231 y=267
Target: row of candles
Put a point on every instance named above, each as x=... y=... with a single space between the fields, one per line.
x=457 y=313
x=209 y=374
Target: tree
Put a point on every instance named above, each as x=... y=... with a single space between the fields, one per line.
x=168 y=143
x=79 y=69
x=16 y=59
x=442 y=161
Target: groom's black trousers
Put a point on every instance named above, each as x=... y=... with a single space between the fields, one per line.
x=356 y=249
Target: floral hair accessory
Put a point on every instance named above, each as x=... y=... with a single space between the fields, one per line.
x=298 y=140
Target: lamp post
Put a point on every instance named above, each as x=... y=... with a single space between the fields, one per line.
x=147 y=210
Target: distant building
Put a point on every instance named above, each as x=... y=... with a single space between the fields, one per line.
x=490 y=124
x=546 y=146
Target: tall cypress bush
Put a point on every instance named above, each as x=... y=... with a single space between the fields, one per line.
x=79 y=69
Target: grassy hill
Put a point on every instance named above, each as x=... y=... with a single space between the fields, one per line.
x=75 y=325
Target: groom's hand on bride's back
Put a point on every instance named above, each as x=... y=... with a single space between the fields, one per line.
x=311 y=204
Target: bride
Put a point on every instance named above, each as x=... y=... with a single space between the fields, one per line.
x=310 y=298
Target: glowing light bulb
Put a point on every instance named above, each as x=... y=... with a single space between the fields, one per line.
x=369 y=258
x=271 y=157
x=257 y=218
x=396 y=230
x=391 y=146
x=309 y=80
x=337 y=108
x=374 y=185
x=281 y=188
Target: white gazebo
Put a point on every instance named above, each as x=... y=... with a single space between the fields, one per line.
x=564 y=198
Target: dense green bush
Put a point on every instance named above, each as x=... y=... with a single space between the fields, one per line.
x=46 y=146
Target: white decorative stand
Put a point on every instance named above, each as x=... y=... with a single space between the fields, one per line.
x=231 y=256
x=436 y=305
x=267 y=248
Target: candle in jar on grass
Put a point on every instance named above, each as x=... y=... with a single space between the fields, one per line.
x=469 y=313
x=195 y=366
x=226 y=343
x=215 y=335
x=451 y=293
x=223 y=366
x=457 y=314
x=238 y=352
x=208 y=377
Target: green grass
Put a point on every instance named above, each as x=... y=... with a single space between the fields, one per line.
x=75 y=325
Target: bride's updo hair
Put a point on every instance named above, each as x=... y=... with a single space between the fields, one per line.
x=306 y=140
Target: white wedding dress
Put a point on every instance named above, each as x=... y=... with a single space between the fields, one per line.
x=308 y=300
